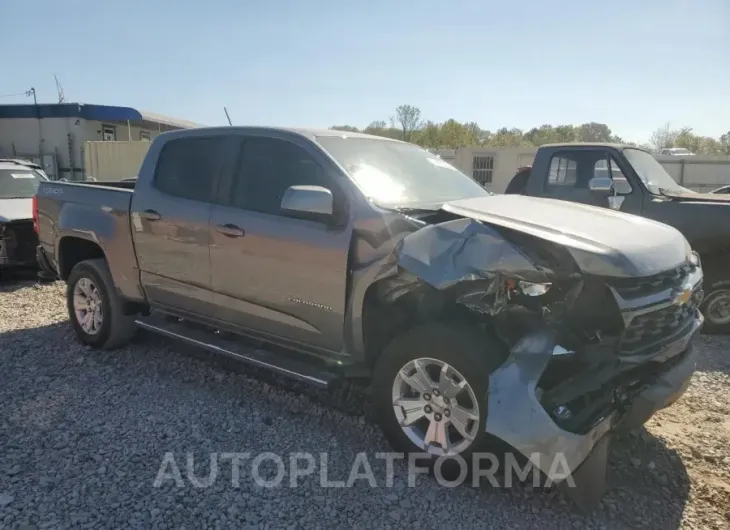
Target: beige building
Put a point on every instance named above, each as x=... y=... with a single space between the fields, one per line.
x=495 y=167
x=55 y=134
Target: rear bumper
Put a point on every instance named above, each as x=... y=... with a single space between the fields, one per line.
x=43 y=262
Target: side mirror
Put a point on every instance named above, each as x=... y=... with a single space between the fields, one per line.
x=601 y=186
x=308 y=201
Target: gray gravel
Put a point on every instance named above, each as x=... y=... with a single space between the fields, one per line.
x=83 y=437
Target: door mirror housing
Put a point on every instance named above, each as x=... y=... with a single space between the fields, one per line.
x=314 y=202
x=602 y=186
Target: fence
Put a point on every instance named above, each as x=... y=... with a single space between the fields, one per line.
x=107 y=161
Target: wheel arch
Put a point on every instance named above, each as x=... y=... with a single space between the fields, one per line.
x=73 y=250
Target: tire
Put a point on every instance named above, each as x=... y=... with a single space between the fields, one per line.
x=518 y=183
x=469 y=351
x=718 y=292
x=114 y=328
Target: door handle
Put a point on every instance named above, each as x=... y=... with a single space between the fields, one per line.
x=150 y=215
x=231 y=230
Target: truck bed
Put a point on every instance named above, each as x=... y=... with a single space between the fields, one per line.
x=97 y=212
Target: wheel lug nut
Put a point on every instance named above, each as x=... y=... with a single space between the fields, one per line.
x=427 y=397
x=446 y=400
x=447 y=412
x=435 y=392
x=437 y=417
x=427 y=409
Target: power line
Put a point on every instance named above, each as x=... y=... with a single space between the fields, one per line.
x=14 y=95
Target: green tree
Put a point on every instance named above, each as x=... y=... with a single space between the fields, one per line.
x=408 y=119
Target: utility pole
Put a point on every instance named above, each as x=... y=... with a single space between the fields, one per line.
x=31 y=92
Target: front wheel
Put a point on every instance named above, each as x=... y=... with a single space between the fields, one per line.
x=430 y=390
x=716 y=307
x=95 y=309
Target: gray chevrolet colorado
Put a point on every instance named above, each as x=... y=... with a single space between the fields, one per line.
x=472 y=317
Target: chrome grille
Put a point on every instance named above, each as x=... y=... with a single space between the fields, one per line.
x=635 y=287
x=659 y=326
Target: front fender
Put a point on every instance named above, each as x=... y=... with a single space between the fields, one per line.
x=445 y=254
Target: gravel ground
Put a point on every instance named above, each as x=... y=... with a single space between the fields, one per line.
x=83 y=435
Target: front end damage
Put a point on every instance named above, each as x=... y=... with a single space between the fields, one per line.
x=18 y=242
x=589 y=354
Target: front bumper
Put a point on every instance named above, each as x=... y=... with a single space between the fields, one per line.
x=17 y=244
x=517 y=416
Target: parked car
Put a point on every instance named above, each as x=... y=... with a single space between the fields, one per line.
x=19 y=181
x=472 y=316
x=676 y=151
x=639 y=185
x=722 y=190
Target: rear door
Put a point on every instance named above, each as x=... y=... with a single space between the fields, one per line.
x=170 y=218
x=278 y=275
x=570 y=171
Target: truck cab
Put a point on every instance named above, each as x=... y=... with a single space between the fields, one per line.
x=629 y=179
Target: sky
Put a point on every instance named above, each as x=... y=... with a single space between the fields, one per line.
x=632 y=64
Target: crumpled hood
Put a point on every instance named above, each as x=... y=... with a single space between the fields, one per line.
x=602 y=241
x=16 y=210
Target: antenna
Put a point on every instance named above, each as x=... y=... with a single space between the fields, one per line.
x=227 y=116
x=59 y=89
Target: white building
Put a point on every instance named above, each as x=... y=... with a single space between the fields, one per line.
x=54 y=134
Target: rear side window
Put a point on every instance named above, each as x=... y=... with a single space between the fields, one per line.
x=563 y=172
x=189 y=167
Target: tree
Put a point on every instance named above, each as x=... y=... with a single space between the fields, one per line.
x=725 y=143
x=450 y=134
x=407 y=118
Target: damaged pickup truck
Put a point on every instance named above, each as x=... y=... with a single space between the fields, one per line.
x=473 y=317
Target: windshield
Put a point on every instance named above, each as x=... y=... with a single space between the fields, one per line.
x=394 y=174
x=651 y=172
x=20 y=183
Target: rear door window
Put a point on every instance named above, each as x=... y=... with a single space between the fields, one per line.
x=189 y=167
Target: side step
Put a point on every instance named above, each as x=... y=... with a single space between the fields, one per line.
x=220 y=343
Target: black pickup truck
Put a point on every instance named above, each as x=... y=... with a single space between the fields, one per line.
x=622 y=177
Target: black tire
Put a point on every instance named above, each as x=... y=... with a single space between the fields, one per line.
x=713 y=292
x=116 y=329
x=469 y=350
x=518 y=183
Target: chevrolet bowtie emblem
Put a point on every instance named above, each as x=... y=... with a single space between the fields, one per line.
x=683 y=297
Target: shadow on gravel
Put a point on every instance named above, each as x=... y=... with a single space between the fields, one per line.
x=12 y=280
x=714 y=355
x=648 y=482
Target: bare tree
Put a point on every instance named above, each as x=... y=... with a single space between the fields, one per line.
x=408 y=119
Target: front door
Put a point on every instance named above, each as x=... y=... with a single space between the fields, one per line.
x=571 y=170
x=170 y=217
x=274 y=274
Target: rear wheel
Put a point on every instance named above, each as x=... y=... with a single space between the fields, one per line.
x=94 y=308
x=430 y=390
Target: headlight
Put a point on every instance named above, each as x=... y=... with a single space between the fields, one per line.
x=694 y=259
x=533 y=289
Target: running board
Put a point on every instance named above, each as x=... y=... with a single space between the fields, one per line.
x=218 y=343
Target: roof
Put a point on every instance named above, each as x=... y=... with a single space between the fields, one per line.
x=14 y=162
x=309 y=133
x=88 y=112
x=588 y=144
